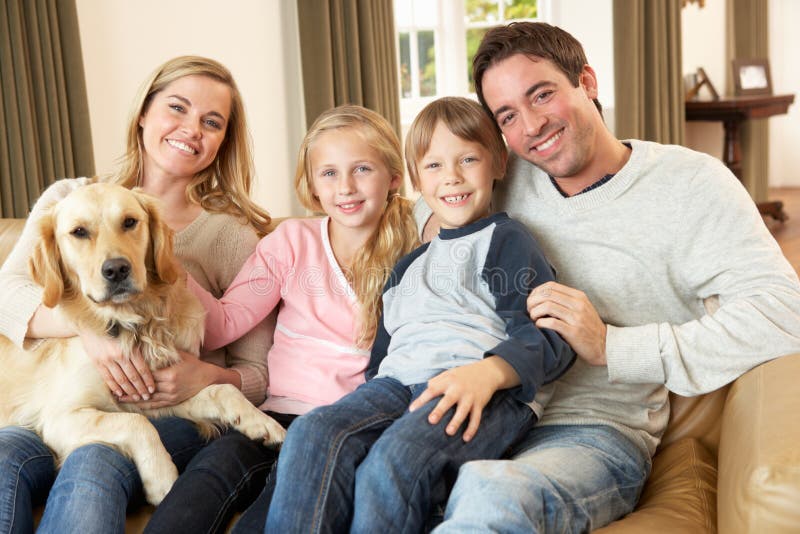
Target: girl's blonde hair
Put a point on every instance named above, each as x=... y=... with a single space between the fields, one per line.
x=396 y=233
x=464 y=118
x=223 y=186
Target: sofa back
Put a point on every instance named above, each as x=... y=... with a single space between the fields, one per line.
x=696 y=417
x=9 y=232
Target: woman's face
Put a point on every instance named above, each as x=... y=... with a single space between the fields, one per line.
x=184 y=127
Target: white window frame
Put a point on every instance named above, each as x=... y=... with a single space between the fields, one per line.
x=450 y=49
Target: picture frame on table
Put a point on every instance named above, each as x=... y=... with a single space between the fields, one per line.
x=694 y=82
x=751 y=77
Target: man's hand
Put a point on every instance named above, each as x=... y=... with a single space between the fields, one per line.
x=125 y=375
x=470 y=388
x=178 y=382
x=569 y=312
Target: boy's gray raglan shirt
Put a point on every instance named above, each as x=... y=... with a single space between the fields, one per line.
x=677 y=261
x=461 y=298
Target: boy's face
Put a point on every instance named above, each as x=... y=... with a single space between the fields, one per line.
x=456 y=178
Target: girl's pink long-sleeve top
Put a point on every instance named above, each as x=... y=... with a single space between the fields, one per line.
x=314 y=358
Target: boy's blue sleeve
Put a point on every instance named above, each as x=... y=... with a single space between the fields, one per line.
x=514 y=266
x=380 y=347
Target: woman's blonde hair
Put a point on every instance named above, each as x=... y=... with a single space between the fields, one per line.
x=223 y=186
x=396 y=233
x=464 y=118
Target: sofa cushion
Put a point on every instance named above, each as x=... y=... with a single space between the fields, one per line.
x=680 y=495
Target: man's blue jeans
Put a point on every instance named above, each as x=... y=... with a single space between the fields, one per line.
x=93 y=486
x=569 y=478
x=368 y=449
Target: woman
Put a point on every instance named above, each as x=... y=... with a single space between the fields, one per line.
x=187 y=144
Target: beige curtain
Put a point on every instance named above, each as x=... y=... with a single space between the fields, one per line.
x=44 y=115
x=746 y=31
x=348 y=55
x=647 y=73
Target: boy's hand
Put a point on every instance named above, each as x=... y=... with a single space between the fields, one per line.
x=470 y=388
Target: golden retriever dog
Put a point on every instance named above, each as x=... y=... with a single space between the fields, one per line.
x=105 y=260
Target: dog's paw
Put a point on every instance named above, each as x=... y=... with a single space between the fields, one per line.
x=156 y=488
x=263 y=427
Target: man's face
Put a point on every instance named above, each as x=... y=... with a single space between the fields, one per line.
x=544 y=119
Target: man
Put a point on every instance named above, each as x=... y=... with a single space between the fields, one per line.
x=668 y=280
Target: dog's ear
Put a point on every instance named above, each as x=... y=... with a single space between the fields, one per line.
x=160 y=258
x=45 y=262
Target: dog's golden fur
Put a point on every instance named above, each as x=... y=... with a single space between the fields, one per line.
x=105 y=260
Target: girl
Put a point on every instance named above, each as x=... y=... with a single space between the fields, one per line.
x=455 y=330
x=327 y=274
x=187 y=143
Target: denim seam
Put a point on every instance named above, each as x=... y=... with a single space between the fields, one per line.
x=523 y=411
x=330 y=463
x=16 y=485
x=417 y=484
x=236 y=491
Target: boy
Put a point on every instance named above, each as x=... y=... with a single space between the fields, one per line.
x=455 y=325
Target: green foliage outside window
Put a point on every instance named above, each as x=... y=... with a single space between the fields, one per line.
x=427 y=63
x=487 y=11
x=481 y=10
x=405 y=65
x=520 y=9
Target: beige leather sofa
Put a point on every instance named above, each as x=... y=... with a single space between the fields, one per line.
x=729 y=461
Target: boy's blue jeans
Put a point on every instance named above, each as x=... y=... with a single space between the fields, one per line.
x=368 y=449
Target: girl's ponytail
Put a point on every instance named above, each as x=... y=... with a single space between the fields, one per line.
x=395 y=236
x=396 y=233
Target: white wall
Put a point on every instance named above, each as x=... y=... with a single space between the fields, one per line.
x=704 y=46
x=784 y=130
x=592 y=23
x=123 y=41
x=703 y=35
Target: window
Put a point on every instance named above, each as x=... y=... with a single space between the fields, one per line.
x=436 y=41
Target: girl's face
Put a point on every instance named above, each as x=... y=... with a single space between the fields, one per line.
x=184 y=127
x=350 y=179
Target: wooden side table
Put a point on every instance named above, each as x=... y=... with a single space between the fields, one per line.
x=732 y=110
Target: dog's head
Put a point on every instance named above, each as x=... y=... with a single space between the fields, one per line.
x=105 y=242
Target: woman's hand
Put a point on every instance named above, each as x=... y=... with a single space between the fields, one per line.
x=470 y=388
x=569 y=312
x=125 y=375
x=179 y=381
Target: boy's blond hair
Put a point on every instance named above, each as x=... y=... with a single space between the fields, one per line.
x=464 y=118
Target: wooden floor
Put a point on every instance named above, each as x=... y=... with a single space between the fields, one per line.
x=788 y=233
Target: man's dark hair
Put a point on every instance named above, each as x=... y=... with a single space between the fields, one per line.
x=531 y=39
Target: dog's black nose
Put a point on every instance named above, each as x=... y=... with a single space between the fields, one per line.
x=116 y=270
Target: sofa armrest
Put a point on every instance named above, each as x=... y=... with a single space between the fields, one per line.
x=759 y=454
